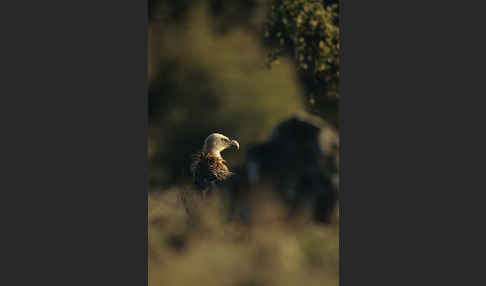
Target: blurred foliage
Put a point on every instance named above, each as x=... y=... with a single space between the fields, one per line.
x=206 y=67
x=207 y=73
x=214 y=251
x=308 y=32
x=225 y=14
x=200 y=82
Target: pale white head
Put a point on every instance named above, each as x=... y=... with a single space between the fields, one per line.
x=215 y=143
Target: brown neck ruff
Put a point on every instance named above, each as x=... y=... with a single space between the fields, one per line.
x=208 y=168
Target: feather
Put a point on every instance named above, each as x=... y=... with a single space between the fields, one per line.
x=207 y=169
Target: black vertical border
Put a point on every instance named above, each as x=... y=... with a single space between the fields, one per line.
x=74 y=142
x=409 y=130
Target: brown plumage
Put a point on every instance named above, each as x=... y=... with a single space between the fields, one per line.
x=208 y=168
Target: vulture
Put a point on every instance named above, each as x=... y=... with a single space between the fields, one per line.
x=208 y=166
x=208 y=169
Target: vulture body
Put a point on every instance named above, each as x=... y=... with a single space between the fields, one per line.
x=208 y=170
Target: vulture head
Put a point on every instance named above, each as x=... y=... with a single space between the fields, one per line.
x=215 y=143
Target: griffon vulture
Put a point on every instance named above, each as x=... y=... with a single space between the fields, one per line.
x=208 y=169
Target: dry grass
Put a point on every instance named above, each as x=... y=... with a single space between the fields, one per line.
x=215 y=251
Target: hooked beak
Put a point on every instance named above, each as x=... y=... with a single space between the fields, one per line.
x=236 y=144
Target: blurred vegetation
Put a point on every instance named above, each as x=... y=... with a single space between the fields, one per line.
x=207 y=73
x=203 y=82
x=214 y=251
x=308 y=32
x=208 y=68
x=225 y=14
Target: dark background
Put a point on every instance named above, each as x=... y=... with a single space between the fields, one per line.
x=75 y=182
